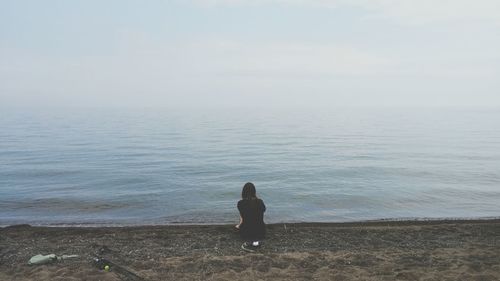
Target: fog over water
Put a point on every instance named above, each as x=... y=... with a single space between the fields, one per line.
x=132 y=112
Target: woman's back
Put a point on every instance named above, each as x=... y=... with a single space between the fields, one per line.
x=252 y=212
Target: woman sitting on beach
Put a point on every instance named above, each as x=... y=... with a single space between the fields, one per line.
x=251 y=227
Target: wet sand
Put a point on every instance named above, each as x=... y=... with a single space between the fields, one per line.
x=406 y=250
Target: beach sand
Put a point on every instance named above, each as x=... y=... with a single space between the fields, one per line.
x=406 y=250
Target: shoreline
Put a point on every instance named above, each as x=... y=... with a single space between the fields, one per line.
x=339 y=223
x=381 y=250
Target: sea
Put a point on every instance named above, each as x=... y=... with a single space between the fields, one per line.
x=137 y=166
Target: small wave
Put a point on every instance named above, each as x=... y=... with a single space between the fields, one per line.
x=63 y=204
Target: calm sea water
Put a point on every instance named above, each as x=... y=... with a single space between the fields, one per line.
x=117 y=166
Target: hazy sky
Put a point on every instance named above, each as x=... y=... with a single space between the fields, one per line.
x=253 y=52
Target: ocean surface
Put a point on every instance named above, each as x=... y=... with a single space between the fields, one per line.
x=161 y=166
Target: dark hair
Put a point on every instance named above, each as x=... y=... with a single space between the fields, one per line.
x=248 y=191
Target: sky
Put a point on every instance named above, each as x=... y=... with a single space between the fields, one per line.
x=249 y=53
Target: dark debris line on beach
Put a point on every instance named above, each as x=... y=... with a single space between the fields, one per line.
x=382 y=251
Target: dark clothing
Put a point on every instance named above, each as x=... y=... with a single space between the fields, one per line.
x=252 y=211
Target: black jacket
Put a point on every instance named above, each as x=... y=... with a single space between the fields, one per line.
x=252 y=212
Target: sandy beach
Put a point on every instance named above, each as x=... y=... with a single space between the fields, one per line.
x=405 y=250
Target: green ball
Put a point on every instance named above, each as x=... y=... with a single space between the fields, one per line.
x=106 y=268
